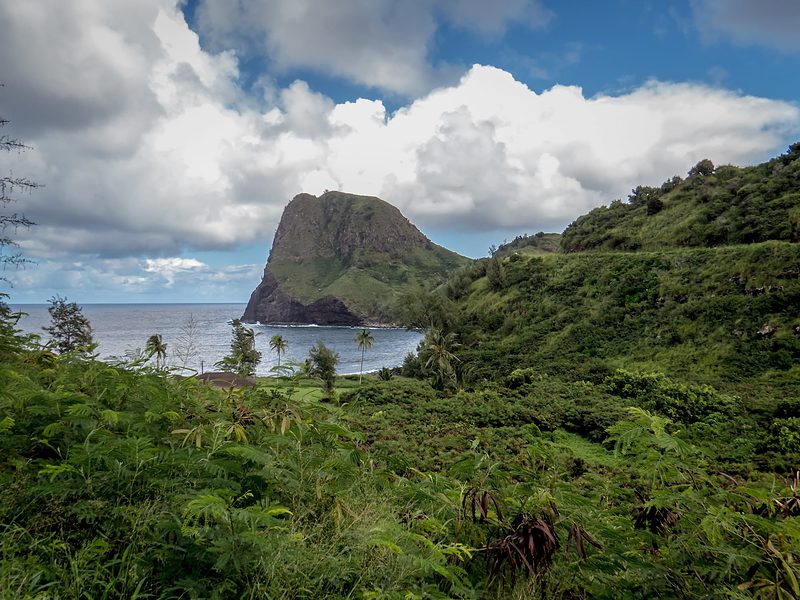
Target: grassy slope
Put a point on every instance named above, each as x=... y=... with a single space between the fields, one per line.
x=729 y=206
x=370 y=282
x=694 y=313
x=539 y=244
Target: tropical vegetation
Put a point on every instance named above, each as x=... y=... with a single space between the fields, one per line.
x=243 y=357
x=156 y=347
x=364 y=341
x=713 y=206
x=321 y=363
x=605 y=422
x=279 y=345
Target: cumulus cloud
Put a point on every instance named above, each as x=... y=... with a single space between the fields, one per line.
x=381 y=44
x=139 y=135
x=491 y=153
x=158 y=152
x=772 y=23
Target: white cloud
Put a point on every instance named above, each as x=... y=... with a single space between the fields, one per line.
x=91 y=279
x=157 y=151
x=381 y=44
x=771 y=23
x=170 y=268
x=139 y=135
x=489 y=152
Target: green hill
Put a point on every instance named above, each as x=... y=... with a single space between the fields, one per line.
x=343 y=259
x=706 y=314
x=711 y=207
x=530 y=245
x=706 y=287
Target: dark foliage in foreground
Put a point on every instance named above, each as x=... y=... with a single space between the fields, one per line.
x=126 y=483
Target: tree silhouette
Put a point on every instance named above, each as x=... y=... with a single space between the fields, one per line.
x=156 y=347
x=364 y=340
x=69 y=329
x=279 y=345
x=9 y=187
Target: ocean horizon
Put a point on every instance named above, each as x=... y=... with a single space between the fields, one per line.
x=121 y=330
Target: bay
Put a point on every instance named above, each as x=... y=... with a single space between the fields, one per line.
x=120 y=329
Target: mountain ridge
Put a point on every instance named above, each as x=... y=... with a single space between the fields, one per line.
x=712 y=206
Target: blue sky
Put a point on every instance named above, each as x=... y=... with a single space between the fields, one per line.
x=170 y=135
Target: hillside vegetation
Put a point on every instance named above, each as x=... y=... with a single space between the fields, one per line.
x=118 y=482
x=711 y=207
x=716 y=315
x=598 y=424
x=537 y=244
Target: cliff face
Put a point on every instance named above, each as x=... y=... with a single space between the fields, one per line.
x=270 y=304
x=338 y=225
x=342 y=259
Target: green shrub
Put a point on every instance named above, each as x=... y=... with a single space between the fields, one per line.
x=412 y=366
x=785 y=436
x=519 y=377
x=678 y=401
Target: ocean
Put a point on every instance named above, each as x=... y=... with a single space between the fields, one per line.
x=121 y=329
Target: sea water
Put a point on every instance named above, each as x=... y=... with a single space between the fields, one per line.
x=123 y=329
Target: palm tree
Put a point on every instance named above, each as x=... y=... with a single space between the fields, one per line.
x=278 y=344
x=156 y=346
x=437 y=351
x=364 y=340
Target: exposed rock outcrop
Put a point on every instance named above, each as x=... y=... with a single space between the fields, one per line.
x=342 y=259
x=269 y=304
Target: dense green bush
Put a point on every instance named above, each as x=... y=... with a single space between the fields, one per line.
x=412 y=366
x=119 y=482
x=680 y=402
x=785 y=436
x=715 y=316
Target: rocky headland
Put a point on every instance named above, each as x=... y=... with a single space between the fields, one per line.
x=343 y=259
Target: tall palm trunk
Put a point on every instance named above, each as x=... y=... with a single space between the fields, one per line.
x=361 y=371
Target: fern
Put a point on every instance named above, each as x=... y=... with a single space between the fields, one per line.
x=6 y=425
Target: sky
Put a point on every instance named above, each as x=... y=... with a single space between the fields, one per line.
x=168 y=135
